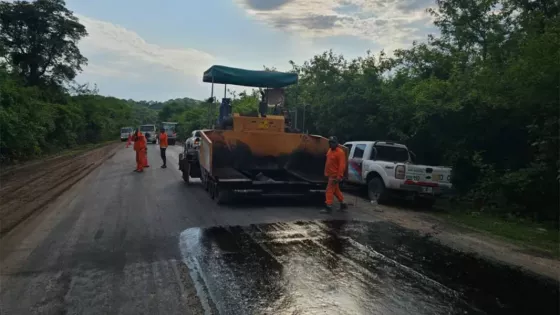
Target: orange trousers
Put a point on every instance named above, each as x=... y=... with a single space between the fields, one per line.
x=141 y=160
x=333 y=190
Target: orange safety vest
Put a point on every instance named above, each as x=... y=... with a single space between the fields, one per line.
x=336 y=163
x=140 y=143
x=163 y=140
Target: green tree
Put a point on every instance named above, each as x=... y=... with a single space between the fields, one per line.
x=170 y=109
x=482 y=97
x=39 y=40
x=246 y=104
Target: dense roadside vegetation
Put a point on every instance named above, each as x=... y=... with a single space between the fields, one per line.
x=42 y=109
x=482 y=96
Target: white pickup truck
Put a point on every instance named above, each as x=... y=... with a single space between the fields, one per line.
x=387 y=168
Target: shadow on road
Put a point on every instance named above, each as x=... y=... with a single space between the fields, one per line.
x=245 y=202
x=396 y=201
x=257 y=201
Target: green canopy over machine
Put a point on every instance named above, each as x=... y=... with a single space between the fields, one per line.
x=252 y=78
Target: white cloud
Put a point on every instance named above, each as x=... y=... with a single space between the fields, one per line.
x=110 y=71
x=115 y=51
x=390 y=24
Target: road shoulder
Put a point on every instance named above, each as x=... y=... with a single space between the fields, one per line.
x=465 y=239
x=30 y=188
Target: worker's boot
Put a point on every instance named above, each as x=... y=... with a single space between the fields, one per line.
x=327 y=209
x=343 y=207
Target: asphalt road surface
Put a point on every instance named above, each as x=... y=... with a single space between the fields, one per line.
x=120 y=242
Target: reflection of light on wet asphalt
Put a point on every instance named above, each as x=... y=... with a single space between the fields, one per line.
x=189 y=245
x=314 y=279
x=331 y=267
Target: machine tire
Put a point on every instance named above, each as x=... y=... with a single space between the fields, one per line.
x=223 y=197
x=205 y=182
x=376 y=190
x=186 y=170
x=212 y=189
x=180 y=162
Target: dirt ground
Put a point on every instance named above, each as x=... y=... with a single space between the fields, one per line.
x=27 y=188
x=466 y=239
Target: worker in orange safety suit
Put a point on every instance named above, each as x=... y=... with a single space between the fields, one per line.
x=146 y=136
x=334 y=170
x=163 y=146
x=140 y=148
x=129 y=141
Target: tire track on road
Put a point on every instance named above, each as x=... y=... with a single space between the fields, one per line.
x=27 y=200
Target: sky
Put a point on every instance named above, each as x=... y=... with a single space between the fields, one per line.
x=158 y=50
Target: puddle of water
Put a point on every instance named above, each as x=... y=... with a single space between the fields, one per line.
x=340 y=267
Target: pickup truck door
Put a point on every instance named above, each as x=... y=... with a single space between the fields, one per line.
x=349 y=147
x=355 y=162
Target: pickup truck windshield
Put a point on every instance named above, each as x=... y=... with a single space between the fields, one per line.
x=126 y=130
x=146 y=128
x=391 y=154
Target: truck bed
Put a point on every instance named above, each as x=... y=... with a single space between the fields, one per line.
x=308 y=178
x=265 y=181
x=229 y=174
x=264 y=176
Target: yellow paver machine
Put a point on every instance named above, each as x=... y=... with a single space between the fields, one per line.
x=255 y=155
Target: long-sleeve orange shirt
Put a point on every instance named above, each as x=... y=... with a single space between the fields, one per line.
x=163 y=140
x=140 y=143
x=336 y=163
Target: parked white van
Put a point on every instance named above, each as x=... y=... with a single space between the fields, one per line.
x=150 y=132
x=125 y=132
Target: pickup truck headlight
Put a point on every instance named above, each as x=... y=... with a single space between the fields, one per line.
x=399 y=171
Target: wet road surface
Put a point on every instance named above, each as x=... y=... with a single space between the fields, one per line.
x=126 y=243
x=350 y=267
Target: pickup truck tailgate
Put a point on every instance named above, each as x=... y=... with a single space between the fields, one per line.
x=430 y=175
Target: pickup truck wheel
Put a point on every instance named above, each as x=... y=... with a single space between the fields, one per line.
x=376 y=190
